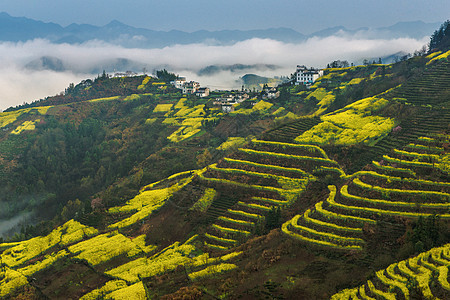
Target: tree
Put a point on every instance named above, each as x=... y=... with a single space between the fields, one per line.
x=338 y=64
x=273 y=218
x=204 y=158
x=440 y=39
x=166 y=76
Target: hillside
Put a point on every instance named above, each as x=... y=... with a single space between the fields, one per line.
x=132 y=190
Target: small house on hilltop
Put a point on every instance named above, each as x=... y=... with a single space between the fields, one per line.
x=307 y=76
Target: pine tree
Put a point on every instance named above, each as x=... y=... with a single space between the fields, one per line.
x=440 y=39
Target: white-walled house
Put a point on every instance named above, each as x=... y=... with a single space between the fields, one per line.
x=179 y=82
x=190 y=87
x=307 y=76
x=202 y=92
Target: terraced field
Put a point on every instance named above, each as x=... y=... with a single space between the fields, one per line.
x=429 y=90
x=111 y=264
x=267 y=176
x=401 y=185
x=422 y=277
x=288 y=132
x=425 y=122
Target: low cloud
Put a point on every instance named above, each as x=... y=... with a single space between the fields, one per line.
x=19 y=83
x=10 y=226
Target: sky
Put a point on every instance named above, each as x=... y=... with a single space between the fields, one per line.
x=301 y=15
x=19 y=84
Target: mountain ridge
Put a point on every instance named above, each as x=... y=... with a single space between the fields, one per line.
x=23 y=29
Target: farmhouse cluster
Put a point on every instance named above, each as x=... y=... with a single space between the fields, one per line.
x=190 y=87
x=303 y=75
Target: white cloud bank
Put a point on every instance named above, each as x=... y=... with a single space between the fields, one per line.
x=19 y=84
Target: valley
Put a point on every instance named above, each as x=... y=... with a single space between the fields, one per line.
x=337 y=190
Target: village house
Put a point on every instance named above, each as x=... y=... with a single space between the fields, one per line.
x=231 y=99
x=190 y=87
x=179 y=82
x=202 y=92
x=226 y=108
x=269 y=92
x=126 y=74
x=307 y=76
x=225 y=99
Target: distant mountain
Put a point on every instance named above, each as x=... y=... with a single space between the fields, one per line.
x=22 y=29
x=46 y=63
x=252 y=81
x=416 y=30
x=16 y=29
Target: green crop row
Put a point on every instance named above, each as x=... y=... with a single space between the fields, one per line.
x=230 y=230
x=391 y=272
x=406 y=162
x=255 y=206
x=415 y=278
x=217 y=247
x=356 y=209
x=442 y=138
x=438 y=139
x=165 y=260
x=300 y=146
x=407 y=180
x=379 y=293
x=212 y=270
x=424 y=258
x=258 y=187
x=422 y=279
x=308 y=219
x=333 y=169
x=285 y=182
x=205 y=201
x=106 y=289
x=416 y=155
x=443 y=275
x=436 y=255
x=423 y=147
x=11 y=280
x=244 y=214
x=274 y=167
x=444 y=196
x=347 y=294
x=281 y=155
x=219 y=239
x=285 y=229
x=40 y=265
x=289 y=195
x=327 y=213
x=393 y=283
x=236 y=221
x=322 y=234
x=393 y=169
x=271 y=201
x=104 y=247
x=68 y=233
